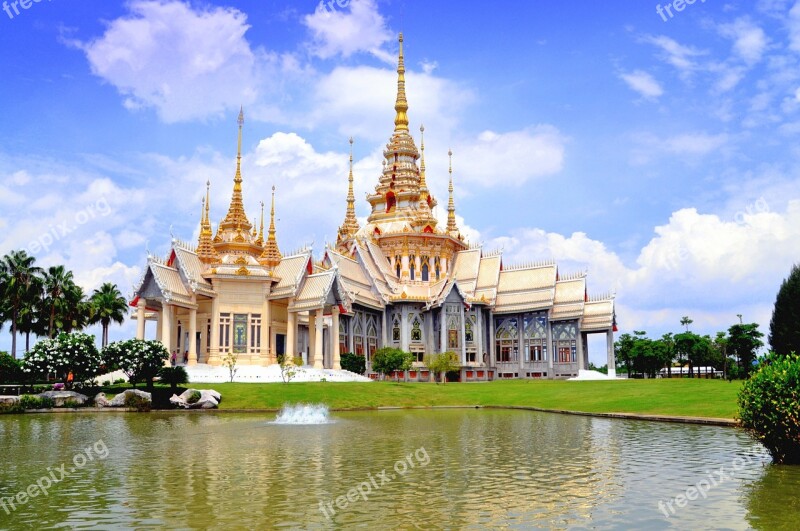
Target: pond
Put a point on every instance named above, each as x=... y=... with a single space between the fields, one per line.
x=443 y=469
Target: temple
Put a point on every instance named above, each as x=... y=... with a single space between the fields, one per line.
x=400 y=280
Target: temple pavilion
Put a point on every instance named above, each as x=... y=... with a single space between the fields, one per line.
x=402 y=279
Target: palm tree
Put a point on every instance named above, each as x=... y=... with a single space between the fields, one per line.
x=31 y=320
x=18 y=288
x=107 y=304
x=685 y=321
x=63 y=299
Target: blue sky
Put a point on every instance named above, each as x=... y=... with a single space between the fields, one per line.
x=661 y=156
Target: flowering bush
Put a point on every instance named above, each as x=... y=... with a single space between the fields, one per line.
x=67 y=353
x=140 y=360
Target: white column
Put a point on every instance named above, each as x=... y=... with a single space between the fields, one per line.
x=140 y=309
x=193 y=336
x=267 y=357
x=318 y=326
x=166 y=327
x=404 y=270
x=308 y=355
x=612 y=358
x=404 y=329
x=443 y=331
x=335 y=338
x=492 y=342
x=384 y=333
x=463 y=335
x=213 y=352
x=291 y=336
x=418 y=267
x=479 y=335
x=550 y=352
x=579 y=353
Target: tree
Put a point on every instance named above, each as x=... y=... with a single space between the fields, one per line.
x=696 y=349
x=17 y=288
x=387 y=360
x=669 y=351
x=65 y=355
x=10 y=370
x=721 y=346
x=174 y=376
x=744 y=340
x=784 y=327
x=107 y=304
x=623 y=349
x=64 y=302
x=139 y=359
x=685 y=321
x=769 y=405
x=353 y=363
x=442 y=363
x=288 y=367
x=229 y=361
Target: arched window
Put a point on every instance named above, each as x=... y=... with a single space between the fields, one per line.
x=412 y=266
x=391 y=201
x=437 y=267
x=425 y=271
x=397 y=267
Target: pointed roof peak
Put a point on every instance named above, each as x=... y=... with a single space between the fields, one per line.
x=401 y=104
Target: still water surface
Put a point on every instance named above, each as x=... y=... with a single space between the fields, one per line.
x=451 y=469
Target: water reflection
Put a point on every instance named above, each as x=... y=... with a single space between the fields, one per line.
x=491 y=468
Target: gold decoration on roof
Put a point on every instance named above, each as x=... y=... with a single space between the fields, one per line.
x=260 y=240
x=236 y=219
x=205 y=248
x=243 y=271
x=272 y=254
x=401 y=105
x=451 y=206
x=350 y=226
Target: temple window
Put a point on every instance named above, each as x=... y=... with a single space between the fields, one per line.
x=425 y=269
x=437 y=267
x=396 y=329
x=224 y=331
x=239 y=333
x=412 y=266
x=255 y=332
x=391 y=201
x=372 y=336
x=343 y=335
x=416 y=328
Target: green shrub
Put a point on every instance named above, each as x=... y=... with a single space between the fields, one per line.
x=35 y=402
x=6 y=408
x=140 y=404
x=353 y=363
x=387 y=360
x=10 y=369
x=174 y=376
x=769 y=407
x=194 y=397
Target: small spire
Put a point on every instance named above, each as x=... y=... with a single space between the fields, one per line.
x=350 y=226
x=260 y=240
x=272 y=254
x=205 y=248
x=423 y=184
x=401 y=105
x=236 y=219
x=451 y=206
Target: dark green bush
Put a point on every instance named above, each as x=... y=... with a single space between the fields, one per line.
x=10 y=369
x=35 y=402
x=769 y=407
x=353 y=363
x=140 y=404
x=174 y=376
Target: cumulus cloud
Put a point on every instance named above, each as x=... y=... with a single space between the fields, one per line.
x=643 y=83
x=355 y=27
x=210 y=67
x=749 y=41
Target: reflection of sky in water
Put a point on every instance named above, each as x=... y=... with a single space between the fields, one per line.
x=488 y=468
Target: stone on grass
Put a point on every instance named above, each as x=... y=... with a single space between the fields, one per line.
x=101 y=401
x=209 y=399
x=119 y=400
x=60 y=398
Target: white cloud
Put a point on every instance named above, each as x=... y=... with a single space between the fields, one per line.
x=749 y=41
x=793 y=25
x=510 y=159
x=356 y=27
x=643 y=83
x=209 y=67
x=683 y=58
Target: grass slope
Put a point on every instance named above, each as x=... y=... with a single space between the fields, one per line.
x=686 y=397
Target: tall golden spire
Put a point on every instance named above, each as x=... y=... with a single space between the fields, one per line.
x=260 y=240
x=236 y=218
x=350 y=226
x=451 y=206
x=272 y=254
x=205 y=248
x=401 y=105
x=423 y=184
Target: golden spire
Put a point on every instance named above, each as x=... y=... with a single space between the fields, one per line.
x=350 y=225
x=423 y=184
x=272 y=254
x=451 y=206
x=260 y=240
x=401 y=105
x=236 y=217
x=205 y=248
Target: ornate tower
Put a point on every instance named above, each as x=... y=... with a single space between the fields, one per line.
x=272 y=254
x=205 y=246
x=350 y=226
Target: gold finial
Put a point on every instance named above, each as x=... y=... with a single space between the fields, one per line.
x=236 y=219
x=401 y=105
x=205 y=248
x=350 y=226
x=423 y=184
x=451 y=206
x=272 y=254
x=260 y=240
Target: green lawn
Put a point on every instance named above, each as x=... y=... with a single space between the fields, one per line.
x=687 y=397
